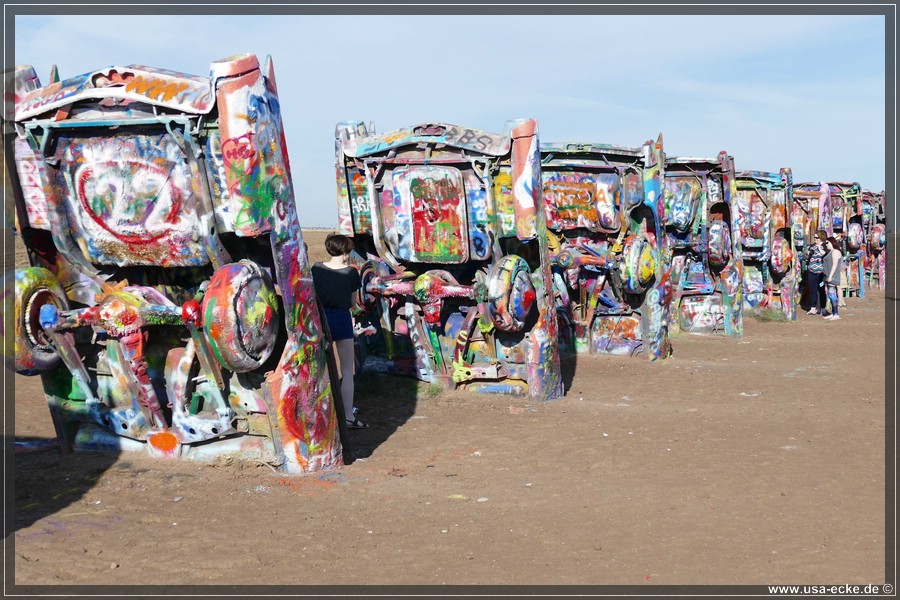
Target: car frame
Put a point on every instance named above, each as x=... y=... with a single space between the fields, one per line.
x=452 y=252
x=704 y=238
x=771 y=265
x=812 y=212
x=874 y=218
x=169 y=306
x=604 y=207
x=850 y=230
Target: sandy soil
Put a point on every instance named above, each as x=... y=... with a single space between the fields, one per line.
x=750 y=461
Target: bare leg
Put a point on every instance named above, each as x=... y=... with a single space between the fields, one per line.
x=345 y=352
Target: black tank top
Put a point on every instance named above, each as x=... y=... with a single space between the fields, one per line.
x=335 y=287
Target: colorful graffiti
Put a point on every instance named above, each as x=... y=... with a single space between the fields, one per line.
x=765 y=213
x=812 y=212
x=874 y=222
x=704 y=235
x=850 y=230
x=195 y=354
x=169 y=307
x=452 y=255
x=604 y=208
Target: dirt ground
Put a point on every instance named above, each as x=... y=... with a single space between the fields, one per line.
x=758 y=460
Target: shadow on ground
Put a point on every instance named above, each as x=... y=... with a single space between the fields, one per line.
x=385 y=402
x=47 y=481
x=567 y=363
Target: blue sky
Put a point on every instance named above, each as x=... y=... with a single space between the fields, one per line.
x=805 y=91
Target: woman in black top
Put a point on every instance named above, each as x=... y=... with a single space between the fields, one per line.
x=337 y=288
x=815 y=275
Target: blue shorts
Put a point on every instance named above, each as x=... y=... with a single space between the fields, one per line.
x=339 y=323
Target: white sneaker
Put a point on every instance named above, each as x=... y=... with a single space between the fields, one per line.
x=835 y=318
x=811 y=312
x=829 y=317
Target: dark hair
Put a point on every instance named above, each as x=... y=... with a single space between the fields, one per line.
x=338 y=245
x=834 y=243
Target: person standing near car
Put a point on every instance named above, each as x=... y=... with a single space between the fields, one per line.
x=337 y=289
x=842 y=275
x=832 y=263
x=815 y=275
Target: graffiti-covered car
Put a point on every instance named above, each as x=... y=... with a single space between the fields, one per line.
x=169 y=305
x=850 y=229
x=874 y=219
x=703 y=237
x=455 y=265
x=811 y=213
x=771 y=265
x=604 y=209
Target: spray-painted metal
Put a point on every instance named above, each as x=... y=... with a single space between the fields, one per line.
x=850 y=230
x=812 y=210
x=704 y=238
x=605 y=211
x=874 y=220
x=771 y=265
x=453 y=254
x=169 y=305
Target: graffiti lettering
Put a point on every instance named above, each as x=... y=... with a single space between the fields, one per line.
x=129 y=191
x=479 y=143
x=572 y=197
x=32 y=188
x=713 y=191
x=156 y=89
x=46 y=99
x=239 y=148
x=359 y=201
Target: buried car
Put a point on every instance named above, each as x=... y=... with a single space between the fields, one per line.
x=453 y=258
x=771 y=266
x=169 y=305
x=874 y=219
x=604 y=208
x=850 y=229
x=811 y=213
x=702 y=227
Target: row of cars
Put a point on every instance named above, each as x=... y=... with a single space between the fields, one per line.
x=639 y=245
x=169 y=307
